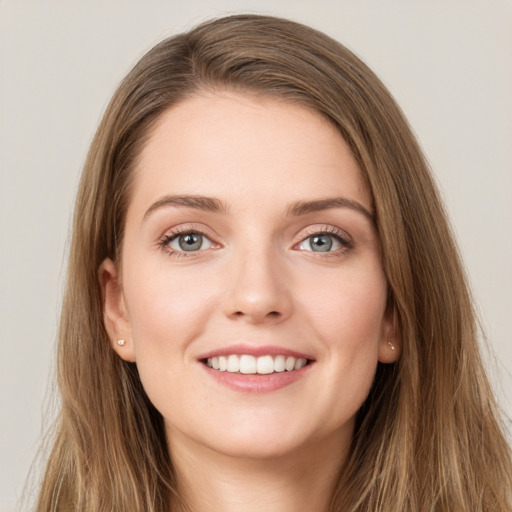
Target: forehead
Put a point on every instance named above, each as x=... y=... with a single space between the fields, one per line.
x=230 y=146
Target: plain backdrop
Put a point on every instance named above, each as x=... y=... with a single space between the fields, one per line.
x=448 y=63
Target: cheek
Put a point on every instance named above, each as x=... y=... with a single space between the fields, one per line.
x=350 y=307
x=354 y=352
x=349 y=319
x=166 y=309
x=167 y=312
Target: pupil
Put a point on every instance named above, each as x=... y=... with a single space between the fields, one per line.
x=321 y=243
x=190 y=242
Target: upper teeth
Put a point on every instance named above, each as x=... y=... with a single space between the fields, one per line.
x=249 y=364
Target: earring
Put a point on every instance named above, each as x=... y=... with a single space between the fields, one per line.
x=121 y=343
x=391 y=345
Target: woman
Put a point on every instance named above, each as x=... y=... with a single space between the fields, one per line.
x=265 y=307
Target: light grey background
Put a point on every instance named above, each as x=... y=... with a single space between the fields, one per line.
x=448 y=64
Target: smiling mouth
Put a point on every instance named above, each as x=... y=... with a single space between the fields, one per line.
x=251 y=365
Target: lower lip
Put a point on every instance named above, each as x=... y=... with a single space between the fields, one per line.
x=256 y=383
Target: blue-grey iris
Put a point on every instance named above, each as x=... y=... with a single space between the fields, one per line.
x=321 y=243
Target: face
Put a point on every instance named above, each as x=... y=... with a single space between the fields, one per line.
x=250 y=290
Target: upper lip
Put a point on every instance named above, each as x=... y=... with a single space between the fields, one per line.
x=254 y=350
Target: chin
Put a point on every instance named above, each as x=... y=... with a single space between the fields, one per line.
x=262 y=448
x=243 y=438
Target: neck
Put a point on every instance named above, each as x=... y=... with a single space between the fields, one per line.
x=301 y=481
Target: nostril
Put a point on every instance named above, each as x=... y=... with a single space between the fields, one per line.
x=273 y=314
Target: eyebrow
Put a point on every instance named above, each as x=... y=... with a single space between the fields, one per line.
x=305 y=207
x=213 y=205
x=207 y=204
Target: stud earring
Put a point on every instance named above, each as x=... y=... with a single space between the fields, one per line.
x=391 y=345
x=121 y=343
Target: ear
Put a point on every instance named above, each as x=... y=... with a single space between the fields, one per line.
x=115 y=315
x=390 y=348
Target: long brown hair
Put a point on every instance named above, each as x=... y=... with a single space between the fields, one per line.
x=428 y=437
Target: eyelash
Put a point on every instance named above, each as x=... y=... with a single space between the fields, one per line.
x=340 y=236
x=175 y=233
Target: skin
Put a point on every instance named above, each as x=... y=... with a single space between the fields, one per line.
x=256 y=280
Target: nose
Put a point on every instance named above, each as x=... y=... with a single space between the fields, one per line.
x=258 y=289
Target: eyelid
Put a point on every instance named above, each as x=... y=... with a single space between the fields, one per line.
x=170 y=234
x=188 y=227
x=182 y=229
x=175 y=239
x=317 y=229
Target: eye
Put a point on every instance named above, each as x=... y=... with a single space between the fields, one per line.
x=322 y=242
x=189 y=242
x=325 y=242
